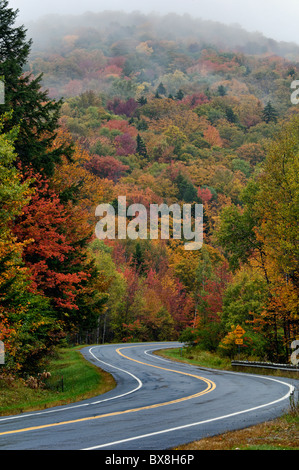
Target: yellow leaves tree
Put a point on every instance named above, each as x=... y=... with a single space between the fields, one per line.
x=278 y=205
x=14 y=195
x=144 y=48
x=175 y=138
x=265 y=234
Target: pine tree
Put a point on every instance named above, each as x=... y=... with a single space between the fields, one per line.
x=221 y=90
x=230 y=115
x=138 y=258
x=33 y=112
x=186 y=190
x=142 y=101
x=161 y=90
x=269 y=113
x=141 y=148
x=180 y=95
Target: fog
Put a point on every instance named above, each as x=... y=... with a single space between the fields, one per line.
x=277 y=19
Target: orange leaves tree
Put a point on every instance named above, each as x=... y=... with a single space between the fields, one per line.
x=26 y=325
x=56 y=226
x=47 y=249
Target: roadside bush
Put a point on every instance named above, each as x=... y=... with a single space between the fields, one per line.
x=206 y=337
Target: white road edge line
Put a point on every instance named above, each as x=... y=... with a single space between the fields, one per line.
x=140 y=384
x=156 y=357
x=164 y=431
x=54 y=410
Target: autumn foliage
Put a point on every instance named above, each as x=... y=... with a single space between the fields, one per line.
x=158 y=122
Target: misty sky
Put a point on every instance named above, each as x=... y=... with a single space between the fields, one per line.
x=277 y=19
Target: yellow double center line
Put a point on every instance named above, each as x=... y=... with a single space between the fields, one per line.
x=210 y=386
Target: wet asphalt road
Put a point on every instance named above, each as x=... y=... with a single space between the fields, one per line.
x=157 y=405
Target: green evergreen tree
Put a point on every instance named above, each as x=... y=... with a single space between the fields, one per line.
x=161 y=90
x=33 y=112
x=269 y=113
x=138 y=258
x=230 y=115
x=142 y=101
x=141 y=148
x=180 y=95
x=221 y=90
x=186 y=190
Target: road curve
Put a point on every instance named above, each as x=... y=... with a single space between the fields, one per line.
x=158 y=404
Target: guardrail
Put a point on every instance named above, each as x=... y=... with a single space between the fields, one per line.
x=266 y=365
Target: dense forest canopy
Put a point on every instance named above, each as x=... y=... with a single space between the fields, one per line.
x=161 y=110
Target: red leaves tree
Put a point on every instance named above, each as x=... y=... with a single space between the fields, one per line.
x=48 y=250
x=126 y=108
x=106 y=167
x=125 y=145
x=205 y=195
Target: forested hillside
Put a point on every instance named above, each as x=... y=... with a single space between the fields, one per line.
x=171 y=110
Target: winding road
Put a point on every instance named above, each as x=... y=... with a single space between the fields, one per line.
x=157 y=404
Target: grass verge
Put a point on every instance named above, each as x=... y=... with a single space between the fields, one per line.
x=279 y=434
x=72 y=379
